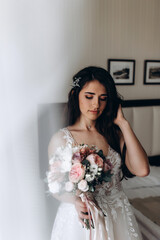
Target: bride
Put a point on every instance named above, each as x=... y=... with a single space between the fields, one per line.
x=96 y=118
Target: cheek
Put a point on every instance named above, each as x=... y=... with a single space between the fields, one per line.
x=103 y=105
x=83 y=104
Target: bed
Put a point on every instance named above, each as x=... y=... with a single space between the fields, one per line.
x=144 y=193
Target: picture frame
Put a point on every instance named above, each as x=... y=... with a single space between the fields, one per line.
x=152 y=72
x=122 y=71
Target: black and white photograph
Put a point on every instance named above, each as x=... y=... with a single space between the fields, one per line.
x=152 y=72
x=122 y=71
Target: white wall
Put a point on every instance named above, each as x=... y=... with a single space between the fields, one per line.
x=43 y=43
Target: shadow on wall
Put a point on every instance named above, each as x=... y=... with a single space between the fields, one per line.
x=51 y=117
x=71 y=50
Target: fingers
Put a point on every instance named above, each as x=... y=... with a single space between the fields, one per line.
x=83 y=215
x=83 y=209
x=82 y=212
x=82 y=222
x=80 y=208
x=81 y=204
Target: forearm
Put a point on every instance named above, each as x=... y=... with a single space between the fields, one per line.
x=136 y=157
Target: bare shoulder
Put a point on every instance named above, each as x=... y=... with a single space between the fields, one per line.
x=72 y=128
x=57 y=140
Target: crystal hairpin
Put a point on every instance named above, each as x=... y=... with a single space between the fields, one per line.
x=76 y=81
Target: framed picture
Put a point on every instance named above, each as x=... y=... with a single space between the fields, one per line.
x=122 y=71
x=152 y=72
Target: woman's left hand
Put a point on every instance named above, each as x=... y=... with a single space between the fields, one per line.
x=120 y=116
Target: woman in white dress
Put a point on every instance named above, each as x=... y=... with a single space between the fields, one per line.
x=96 y=118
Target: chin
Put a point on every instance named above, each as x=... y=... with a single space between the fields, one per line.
x=94 y=117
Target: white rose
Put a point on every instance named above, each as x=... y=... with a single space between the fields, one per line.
x=90 y=177
x=83 y=186
x=66 y=156
x=54 y=187
x=69 y=186
x=94 y=168
x=100 y=169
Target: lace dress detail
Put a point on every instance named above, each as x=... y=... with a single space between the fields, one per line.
x=68 y=137
x=119 y=218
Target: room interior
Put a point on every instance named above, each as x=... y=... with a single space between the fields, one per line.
x=43 y=44
x=143 y=192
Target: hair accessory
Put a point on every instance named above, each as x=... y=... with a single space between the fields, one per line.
x=76 y=81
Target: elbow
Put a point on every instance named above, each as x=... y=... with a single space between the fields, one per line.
x=145 y=172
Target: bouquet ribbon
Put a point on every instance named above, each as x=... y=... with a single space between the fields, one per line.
x=100 y=231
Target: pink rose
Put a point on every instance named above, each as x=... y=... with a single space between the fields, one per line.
x=99 y=161
x=83 y=186
x=77 y=173
x=95 y=159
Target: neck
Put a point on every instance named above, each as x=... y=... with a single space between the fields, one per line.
x=86 y=124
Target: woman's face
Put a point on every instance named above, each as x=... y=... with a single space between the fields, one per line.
x=92 y=100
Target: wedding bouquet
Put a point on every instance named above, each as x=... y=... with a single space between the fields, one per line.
x=78 y=170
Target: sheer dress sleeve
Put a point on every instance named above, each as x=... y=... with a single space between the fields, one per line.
x=59 y=163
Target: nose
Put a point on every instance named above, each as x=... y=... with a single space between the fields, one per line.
x=96 y=103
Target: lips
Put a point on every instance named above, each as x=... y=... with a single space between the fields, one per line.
x=93 y=111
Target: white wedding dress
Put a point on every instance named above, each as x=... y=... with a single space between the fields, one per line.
x=120 y=221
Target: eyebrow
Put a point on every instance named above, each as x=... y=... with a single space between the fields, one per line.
x=105 y=94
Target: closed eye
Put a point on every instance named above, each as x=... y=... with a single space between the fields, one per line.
x=103 y=99
x=88 y=97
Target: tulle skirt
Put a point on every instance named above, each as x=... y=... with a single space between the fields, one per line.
x=68 y=227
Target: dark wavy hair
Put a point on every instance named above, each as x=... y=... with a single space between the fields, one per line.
x=105 y=123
